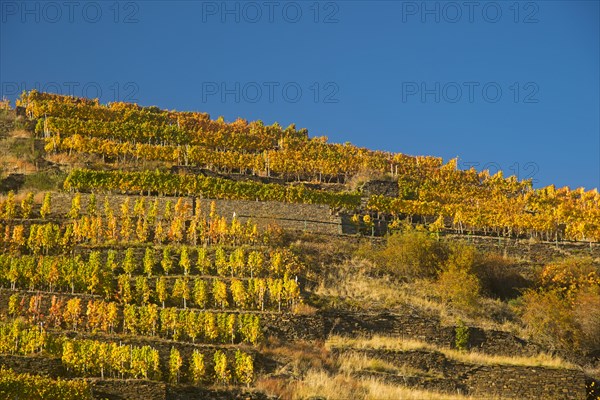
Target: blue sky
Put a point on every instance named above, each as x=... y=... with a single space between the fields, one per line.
x=510 y=85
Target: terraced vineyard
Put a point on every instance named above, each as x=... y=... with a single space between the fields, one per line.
x=184 y=257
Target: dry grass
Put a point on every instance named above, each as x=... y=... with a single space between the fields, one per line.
x=400 y=344
x=303 y=309
x=344 y=387
x=354 y=362
x=20 y=134
x=298 y=357
x=355 y=283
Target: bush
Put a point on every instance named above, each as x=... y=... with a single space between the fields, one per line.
x=412 y=253
x=565 y=312
x=500 y=277
x=32 y=387
x=461 y=336
x=460 y=289
x=586 y=311
x=42 y=181
x=570 y=275
x=549 y=320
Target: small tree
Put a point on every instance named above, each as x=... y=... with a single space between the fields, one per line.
x=75 y=211
x=244 y=368
x=184 y=260
x=54 y=313
x=222 y=374
x=175 y=363
x=210 y=327
x=277 y=263
x=220 y=293
x=139 y=208
x=203 y=262
x=124 y=288
x=27 y=206
x=112 y=316
x=72 y=313
x=181 y=290
x=255 y=262
x=129 y=262
x=14 y=302
x=238 y=293
x=276 y=291
x=291 y=290
x=168 y=210
x=111 y=263
x=199 y=293
x=166 y=262
x=46 y=204
x=142 y=289
x=92 y=205
x=129 y=319
x=197 y=368
x=148 y=261
x=259 y=289
x=461 y=336
x=459 y=288
x=94 y=274
x=236 y=261
x=221 y=261
x=161 y=290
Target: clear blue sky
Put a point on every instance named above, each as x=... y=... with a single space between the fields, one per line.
x=503 y=84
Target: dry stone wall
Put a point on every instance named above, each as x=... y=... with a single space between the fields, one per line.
x=310 y=217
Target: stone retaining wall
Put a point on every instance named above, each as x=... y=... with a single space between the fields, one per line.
x=502 y=381
x=295 y=216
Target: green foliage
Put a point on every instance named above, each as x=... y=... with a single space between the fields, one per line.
x=33 y=387
x=244 y=368
x=461 y=336
x=149 y=260
x=210 y=187
x=200 y=293
x=197 y=367
x=27 y=206
x=46 y=205
x=16 y=337
x=549 y=319
x=44 y=180
x=219 y=292
x=459 y=288
x=161 y=290
x=175 y=363
x=94 y=358
x=129 y=262
x=75 y=211
x=412 y=253
x=184 y=260
x=222 y=373
x=166 y=262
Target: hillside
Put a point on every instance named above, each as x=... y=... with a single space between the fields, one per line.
x=149 y=253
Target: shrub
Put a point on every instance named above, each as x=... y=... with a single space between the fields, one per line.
x=549 y=320
x=412 y=253
x=499 y=276
x=586 y=312
x=26 y=386
x=461 y=336
x=459 y=288
x=570 y=275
